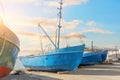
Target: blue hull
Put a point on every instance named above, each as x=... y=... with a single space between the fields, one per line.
x=104 y=55
x=64 y=59
x=91 y=58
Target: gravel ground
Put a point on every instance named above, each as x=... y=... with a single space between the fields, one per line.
x=97 y=72
x=22 y=76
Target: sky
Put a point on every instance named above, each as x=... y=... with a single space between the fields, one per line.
x=82 y=20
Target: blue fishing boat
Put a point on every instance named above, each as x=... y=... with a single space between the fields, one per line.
x=104 y=55
x=9 y=48
x=91 y=58
x=59 y=59
x=64 y=59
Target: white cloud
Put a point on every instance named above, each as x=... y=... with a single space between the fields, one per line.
x=49 y=23
x=76 y=36
x=48 y=2
x=20 y=1
x=26 y=33
x=52 y=23
x=73 y=24
x=66 y=2
x=100 y=31
x=91 y=23
x=74 y=2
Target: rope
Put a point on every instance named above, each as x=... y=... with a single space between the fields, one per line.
x=3 y=45
x=64 y=33
x=49 y=47
x=81 y=40
x=41 y=45
x=56 y=37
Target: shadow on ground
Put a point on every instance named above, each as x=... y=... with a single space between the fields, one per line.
x=103 y=70
x=25 y=76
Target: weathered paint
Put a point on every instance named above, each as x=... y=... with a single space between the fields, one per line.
x=64 y=59
x=9 y=48
x=7 y=57
x=4 y=71
x=104 y=55
x=91 y=58
x=95 y=57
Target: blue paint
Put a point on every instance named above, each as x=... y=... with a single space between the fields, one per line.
x=63 y=59
x=91 y=58
x=104 y=55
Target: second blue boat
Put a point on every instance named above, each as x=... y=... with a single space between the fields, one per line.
x=104 y=55
x=91 y=58
x=94 y=57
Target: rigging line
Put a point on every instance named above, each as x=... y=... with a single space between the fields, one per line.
x=49 y=47
x=64 y=32
x=81 y=40
x=47 y=35
x=56 y=32
x=41 y=45
x=56 y=37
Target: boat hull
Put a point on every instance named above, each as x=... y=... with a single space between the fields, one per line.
x=7 y=57
x=4 y=71
x=9 y=48
x=91 y=58
x=66 y=59
x=104 y=55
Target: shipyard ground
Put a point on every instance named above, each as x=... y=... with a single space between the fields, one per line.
x=97 y=72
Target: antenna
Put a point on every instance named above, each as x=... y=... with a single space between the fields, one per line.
x=59 y=25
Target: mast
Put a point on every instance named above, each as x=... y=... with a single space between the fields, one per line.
x=59 y=24
x=92 y=45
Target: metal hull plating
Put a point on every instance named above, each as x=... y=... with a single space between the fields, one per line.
x=7 y=57
x=104 y=55
x=64 y=59
x=91 y=58
x=9 y=47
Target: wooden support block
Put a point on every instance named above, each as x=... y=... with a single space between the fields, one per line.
x=63 y=72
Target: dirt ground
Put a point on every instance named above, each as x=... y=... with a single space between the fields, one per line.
x=97 y=72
